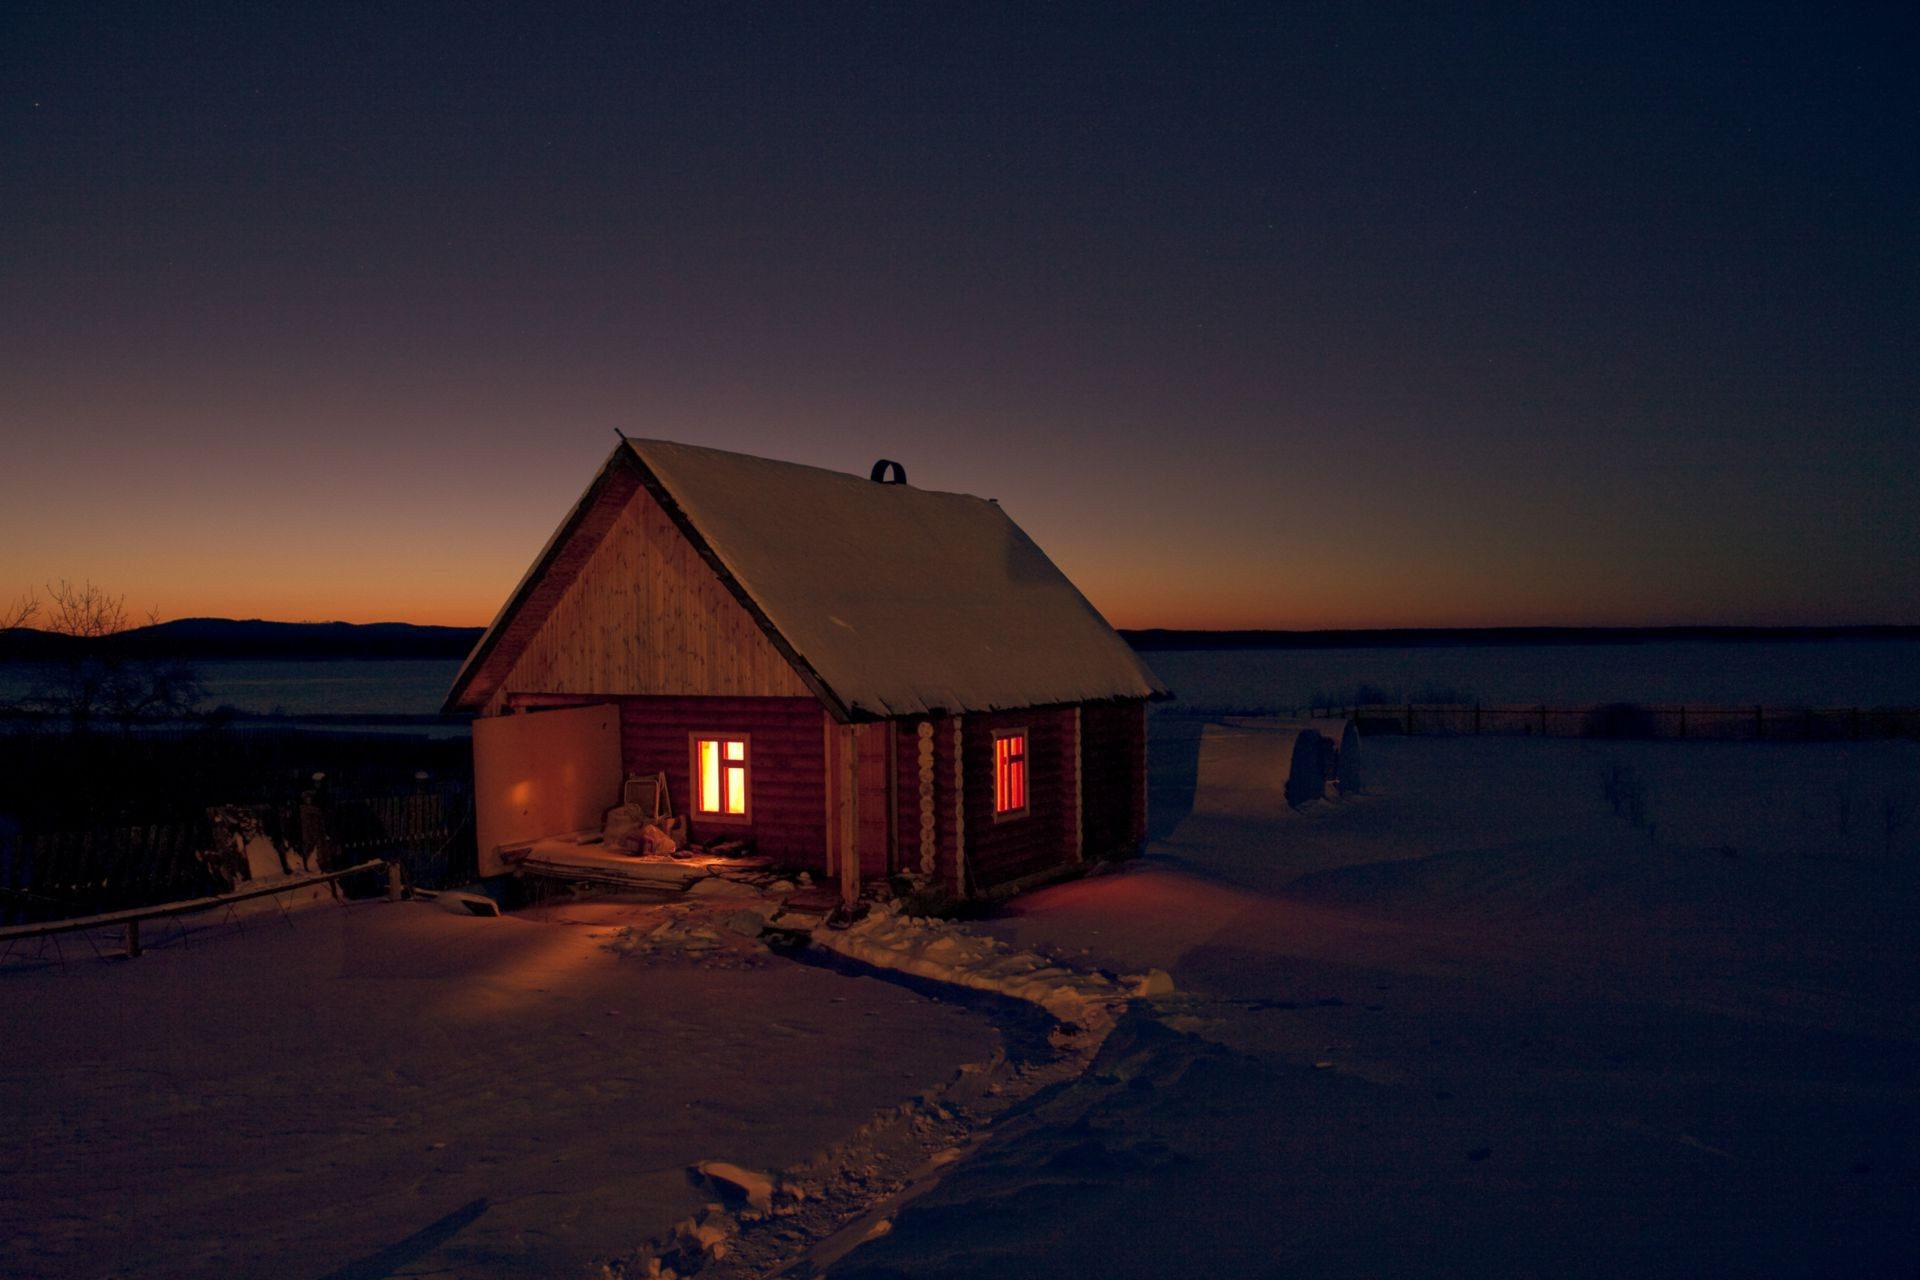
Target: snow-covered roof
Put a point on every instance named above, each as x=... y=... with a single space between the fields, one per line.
x=892 y=600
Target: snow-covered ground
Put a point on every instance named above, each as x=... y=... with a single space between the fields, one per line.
x=1529 y=1008
x=390 y=1089
x=1525 y=1007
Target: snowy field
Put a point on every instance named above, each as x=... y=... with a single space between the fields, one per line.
x=1486 y=1020
x=389 y=1089
x=1803 y=673
x=1525 y=1007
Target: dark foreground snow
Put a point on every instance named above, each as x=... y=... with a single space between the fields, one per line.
x=1527 y=1008
x=1478 y=1022
x=393 y=1090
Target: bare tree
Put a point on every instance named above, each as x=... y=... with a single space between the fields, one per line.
x=98 y=680
x=20 y=612
x=85 y=612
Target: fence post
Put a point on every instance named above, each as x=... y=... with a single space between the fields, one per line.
x=133 y=938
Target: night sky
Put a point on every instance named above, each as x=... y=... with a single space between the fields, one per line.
x=1252 y=316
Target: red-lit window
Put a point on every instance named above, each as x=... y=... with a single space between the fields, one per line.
x=1009 y=773
x=720 y=777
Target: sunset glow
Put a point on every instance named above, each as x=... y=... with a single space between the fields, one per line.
x=1255 y=319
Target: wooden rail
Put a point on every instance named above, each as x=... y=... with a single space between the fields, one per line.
x=131 y=917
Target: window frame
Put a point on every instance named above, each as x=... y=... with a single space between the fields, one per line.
x=1025 y=760
x=721 y=737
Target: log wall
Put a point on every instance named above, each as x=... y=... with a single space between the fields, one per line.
x=1001 y=849
x=786 y=766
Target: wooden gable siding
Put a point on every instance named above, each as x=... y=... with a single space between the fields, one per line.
x=1113 y=763
x=643 y=614
x=1005 y=849
x=786 y=761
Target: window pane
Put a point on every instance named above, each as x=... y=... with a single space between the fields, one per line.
x=709 y=800
x=736 y=750
x=1010 y=773
x=736 y=789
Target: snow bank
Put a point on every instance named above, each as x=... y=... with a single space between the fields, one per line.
x=947 y=952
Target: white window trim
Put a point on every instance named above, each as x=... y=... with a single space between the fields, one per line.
x=694 y=811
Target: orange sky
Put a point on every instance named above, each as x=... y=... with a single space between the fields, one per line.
x=1264 y=316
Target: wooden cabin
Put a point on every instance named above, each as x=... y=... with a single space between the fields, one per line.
x=860 y=676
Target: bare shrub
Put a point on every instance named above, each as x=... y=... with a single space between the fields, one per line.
x=98 y=680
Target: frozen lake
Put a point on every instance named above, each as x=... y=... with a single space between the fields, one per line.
x=1816 y=673
x=342 y=686
x=1803 y=673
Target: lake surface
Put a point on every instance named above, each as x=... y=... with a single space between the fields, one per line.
x=1804 y=673
x=1794 y=673
x=263 y=686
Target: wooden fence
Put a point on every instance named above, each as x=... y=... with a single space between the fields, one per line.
x=51 y=875
x=1632 y=720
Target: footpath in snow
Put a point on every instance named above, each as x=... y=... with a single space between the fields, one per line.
x=813 y=1212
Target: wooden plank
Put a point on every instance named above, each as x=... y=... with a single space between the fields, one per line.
x=847 y=772
x=1079 y=795
x=893 y=797
x=959 y=810
x=113 y=919
x=924 y=758
x=830 y=831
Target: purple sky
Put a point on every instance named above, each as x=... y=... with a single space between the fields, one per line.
x=1252 y=316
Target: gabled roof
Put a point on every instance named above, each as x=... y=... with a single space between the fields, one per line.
x=889 y=600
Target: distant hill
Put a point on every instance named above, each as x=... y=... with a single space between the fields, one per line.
x=252 y=638
x=192 y=638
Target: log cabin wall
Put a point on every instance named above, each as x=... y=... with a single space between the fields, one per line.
x=786 y=765
x=645 y=614
x=949 y=825
x=911 y=841
x=873 y=833
x=999 y=850
x=1113 y=763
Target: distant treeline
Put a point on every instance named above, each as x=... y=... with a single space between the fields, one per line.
x=1466 y=637
x=193 y=638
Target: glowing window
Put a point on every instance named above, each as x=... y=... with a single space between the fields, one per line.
x=720 y=777
x=1009 y=773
